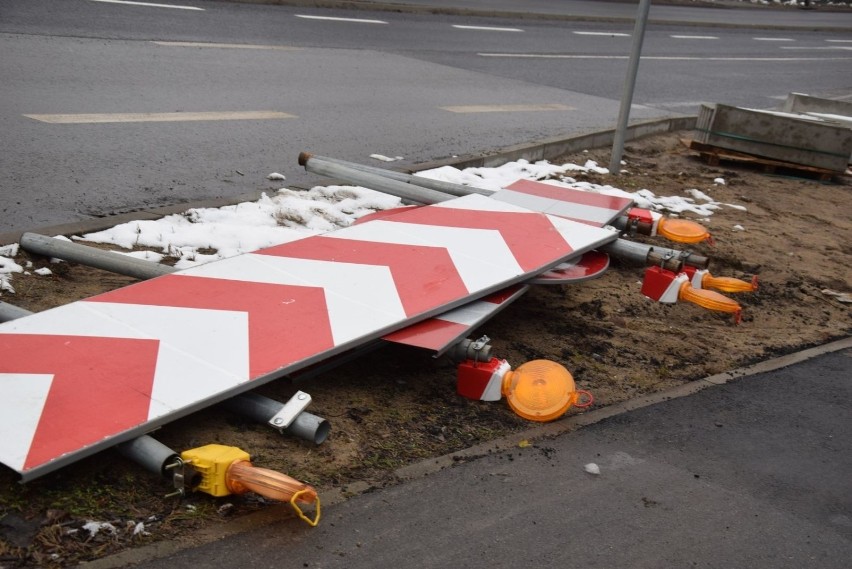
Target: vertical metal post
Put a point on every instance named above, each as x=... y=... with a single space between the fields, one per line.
x=629 y=84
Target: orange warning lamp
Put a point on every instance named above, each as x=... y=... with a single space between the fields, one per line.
x=710 y=300
x=682 y=230
x=667 y=287
x=542 y=390
x=227 y=470
x=729 y=284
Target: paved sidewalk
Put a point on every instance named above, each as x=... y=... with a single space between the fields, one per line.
x=756 y=472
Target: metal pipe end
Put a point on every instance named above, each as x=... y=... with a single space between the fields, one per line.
x=304 y=157
x=321 y=432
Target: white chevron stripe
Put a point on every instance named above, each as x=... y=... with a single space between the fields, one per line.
x=470 y=313
x=201 y=351
x=21 y=413
x=581 y=235
x=577 y=235
x=481 y=256
x=360 y=298
x=477 y=202
x=556 y=207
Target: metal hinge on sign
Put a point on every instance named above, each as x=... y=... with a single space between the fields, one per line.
x=288 y=413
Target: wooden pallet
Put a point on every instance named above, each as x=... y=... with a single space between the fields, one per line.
x=713 y=155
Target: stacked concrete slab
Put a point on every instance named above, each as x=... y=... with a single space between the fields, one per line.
x=788 y=136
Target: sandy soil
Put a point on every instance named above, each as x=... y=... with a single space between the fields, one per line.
x=397 y=405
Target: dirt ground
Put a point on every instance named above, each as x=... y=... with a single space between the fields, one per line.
x=397 y=405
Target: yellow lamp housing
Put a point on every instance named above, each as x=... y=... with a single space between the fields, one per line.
x=227 y=470
x=212 y=462
x=542 y=390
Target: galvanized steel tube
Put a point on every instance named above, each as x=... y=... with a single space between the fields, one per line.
x=116 y=263
x=437 y=185
x=373 y=181
x=670 y=259
x=11 y=312
x=305 y=426
x=149 y=453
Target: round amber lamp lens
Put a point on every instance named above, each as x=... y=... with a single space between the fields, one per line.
x=540 y=390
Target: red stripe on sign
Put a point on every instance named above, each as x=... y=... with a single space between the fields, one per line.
x=530 y=236
x=100 y=387
x=502 y=296
x=286 y=322
x=425 y=277
x=569 y=195
x=432 y=334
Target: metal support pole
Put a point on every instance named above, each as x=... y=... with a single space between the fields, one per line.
x=373 y=181
x=149 y=453
x=11 y=312
x=305 y=426
x=437 y=185
x=669 y=259
x=629 y=84
x=113 y=262
x=154 y=456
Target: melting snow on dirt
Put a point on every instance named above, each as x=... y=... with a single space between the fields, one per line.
x=201 y=235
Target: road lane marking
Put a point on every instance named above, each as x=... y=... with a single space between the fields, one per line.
x=660 y=58
x=507 y=108
x=816 y=48
x=149 y=4
x=683 y=37
x=839 y=41
x=225 y=45
x=610 y=34
x=487 y=28
x=329 y=18
x=773 y=39
x=159 y=117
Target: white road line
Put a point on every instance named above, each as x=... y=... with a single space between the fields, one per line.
x=682 y=37
x=773 y=39
x=159 y=117
x=507 y=108
x=487 y=29
x=817 y=48
x=149 y=4
x=610 y=34
x=225 y=45
x=683 y=104
x=659 y=58
x=329 y=18
x=839 y=41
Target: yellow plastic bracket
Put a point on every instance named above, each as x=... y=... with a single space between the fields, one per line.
x=311 y=522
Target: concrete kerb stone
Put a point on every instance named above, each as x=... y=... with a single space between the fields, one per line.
x=542 y=150
x=330 y=497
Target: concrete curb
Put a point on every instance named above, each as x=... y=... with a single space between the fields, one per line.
x=542 y=150
x=331 y=497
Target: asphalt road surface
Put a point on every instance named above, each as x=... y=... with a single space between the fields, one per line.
x=753 y=473
x=97 y=97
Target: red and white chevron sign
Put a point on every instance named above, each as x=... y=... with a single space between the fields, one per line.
x=441 y=332
x=570 y=203
x=86 y=376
